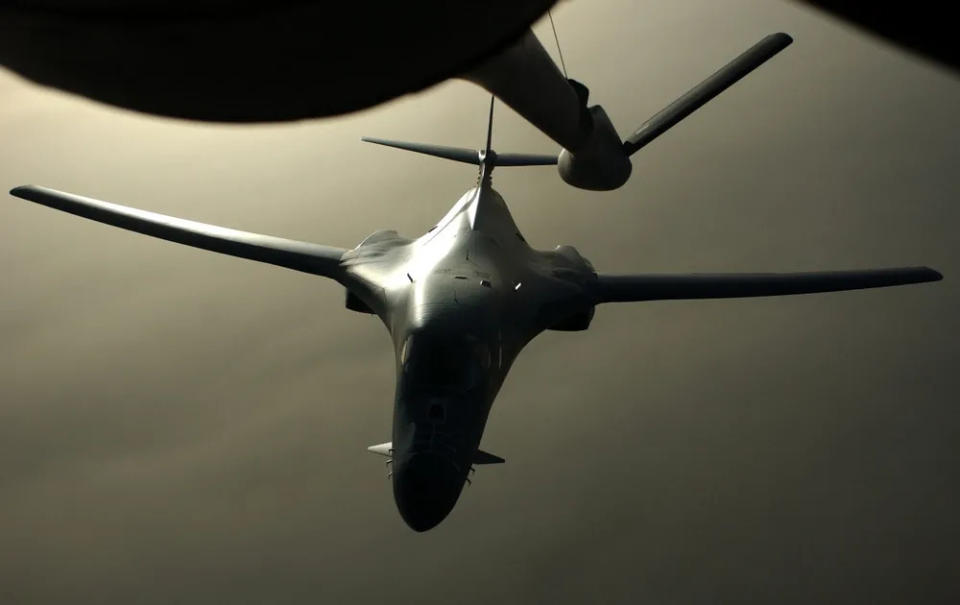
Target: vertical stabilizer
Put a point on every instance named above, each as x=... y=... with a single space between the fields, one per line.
x=488 y=157
x=490 y=126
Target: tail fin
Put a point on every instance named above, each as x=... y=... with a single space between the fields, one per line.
x=468 y=156
x=457 y=154
x=488 y=149
x=480 y=457
x=471 y=156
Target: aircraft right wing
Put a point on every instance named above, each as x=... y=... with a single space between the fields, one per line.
x=629 y=288
x=301 y=256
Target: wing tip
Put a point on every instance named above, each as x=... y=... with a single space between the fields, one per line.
x=21 y=191
x=783 y=37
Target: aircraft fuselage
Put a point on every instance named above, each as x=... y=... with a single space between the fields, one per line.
x=460 y=302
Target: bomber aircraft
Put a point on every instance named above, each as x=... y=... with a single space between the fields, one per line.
x=463 y=299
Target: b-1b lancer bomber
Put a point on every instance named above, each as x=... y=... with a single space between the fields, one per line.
x=460 y=302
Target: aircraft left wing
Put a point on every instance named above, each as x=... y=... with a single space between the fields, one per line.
x=297 y=255
x=629 y=288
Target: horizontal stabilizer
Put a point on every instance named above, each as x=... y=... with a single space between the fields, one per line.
x=383 y=449
x=525 y=159
x=468 y=156
x=301 y=256
x=457 y=154
x=628 y=288
x=481 y=457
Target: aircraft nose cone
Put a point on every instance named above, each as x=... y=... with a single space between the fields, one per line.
x=425 y=488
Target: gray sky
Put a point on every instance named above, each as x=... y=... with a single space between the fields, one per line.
x=177 y=426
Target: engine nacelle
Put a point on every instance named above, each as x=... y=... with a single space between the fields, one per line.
x=575 y=323
x=354 y=303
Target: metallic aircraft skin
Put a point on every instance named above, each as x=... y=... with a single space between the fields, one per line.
x=460 y=303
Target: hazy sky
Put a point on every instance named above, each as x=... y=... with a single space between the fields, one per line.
x=178 y=426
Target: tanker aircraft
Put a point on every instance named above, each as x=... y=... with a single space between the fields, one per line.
x=463 y=299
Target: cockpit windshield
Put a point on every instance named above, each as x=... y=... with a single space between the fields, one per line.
x=433 y=361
